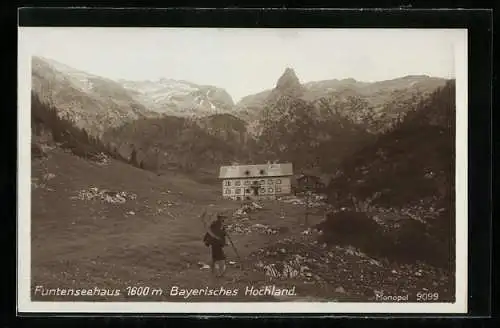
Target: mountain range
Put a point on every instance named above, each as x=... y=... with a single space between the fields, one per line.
x=165 y=120
x=133 y=99
x=378 y=95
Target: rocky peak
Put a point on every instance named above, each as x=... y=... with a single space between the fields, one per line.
x=288 y=80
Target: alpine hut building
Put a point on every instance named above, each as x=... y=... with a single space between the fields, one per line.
x=256 y=182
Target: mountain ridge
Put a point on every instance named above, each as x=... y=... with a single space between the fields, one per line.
x=377 y=94
x=167 y=96
x=90 y=101
x=288 y=120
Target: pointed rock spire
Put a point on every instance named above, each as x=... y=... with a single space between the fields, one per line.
x=288 y=80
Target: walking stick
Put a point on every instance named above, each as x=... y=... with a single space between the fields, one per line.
x=235 y=250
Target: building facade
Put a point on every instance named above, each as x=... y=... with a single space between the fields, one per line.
x=253 y=182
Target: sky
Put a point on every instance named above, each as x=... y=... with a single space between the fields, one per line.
x=247 y=61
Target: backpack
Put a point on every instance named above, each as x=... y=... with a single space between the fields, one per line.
x=208 y=239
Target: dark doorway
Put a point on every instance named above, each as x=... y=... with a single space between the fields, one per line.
x=255 y=188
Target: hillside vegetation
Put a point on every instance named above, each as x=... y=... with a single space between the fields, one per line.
x=51 y=128
x=417 y=152
x=292 y=132
x=177 y=143
x=404 y=179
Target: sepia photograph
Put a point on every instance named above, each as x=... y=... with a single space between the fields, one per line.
x=242 y=170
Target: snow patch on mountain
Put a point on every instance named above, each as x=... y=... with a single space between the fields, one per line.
x=179 y=98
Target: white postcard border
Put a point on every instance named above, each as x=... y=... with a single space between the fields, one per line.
x=26 y=48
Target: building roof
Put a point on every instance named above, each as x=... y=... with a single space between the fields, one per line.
x=324 y=178
x=256 y=171
x=309 y=176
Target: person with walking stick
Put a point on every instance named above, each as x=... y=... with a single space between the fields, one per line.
x=215 y=237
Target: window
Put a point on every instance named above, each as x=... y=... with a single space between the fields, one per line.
x=262 y=182
x=237 y=191
x=262 y=190
x=270 y=190
x=227 y=191
x=262 y=172
x=237 y=183
x=247 y=191
x=238 y=198
x=247 y=182
x=270 y=181
x=227 y=183
x=278 y=181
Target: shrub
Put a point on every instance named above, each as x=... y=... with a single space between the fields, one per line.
x=350 y=228
x=408 y=242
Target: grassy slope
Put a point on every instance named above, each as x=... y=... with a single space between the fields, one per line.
x=87 y=244
x=79 y=244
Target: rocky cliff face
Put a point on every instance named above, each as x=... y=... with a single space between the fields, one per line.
x=91 y=102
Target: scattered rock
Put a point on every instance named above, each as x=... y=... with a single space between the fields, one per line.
x=348 y=266
x=37 y=185
x=314 y=200
x=101 y=159
x=242 y=227
x=48 y=176
x=203 y=266
x=113 y=197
